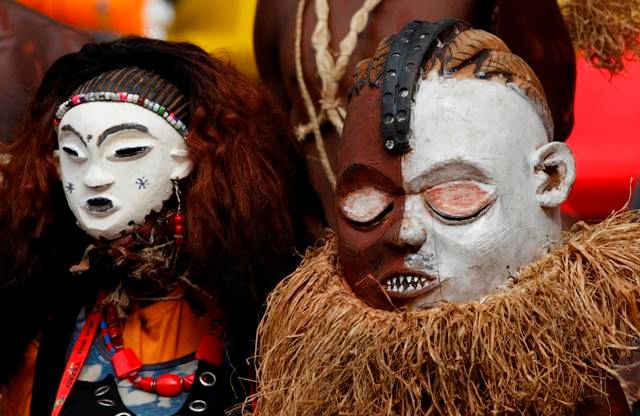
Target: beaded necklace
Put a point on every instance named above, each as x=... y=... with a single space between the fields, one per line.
x=126 y=363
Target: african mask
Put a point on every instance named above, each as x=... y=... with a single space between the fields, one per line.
x=119 y=152
x=447 y=183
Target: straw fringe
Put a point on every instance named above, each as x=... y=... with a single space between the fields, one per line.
x=532 y=348
x=605 y=30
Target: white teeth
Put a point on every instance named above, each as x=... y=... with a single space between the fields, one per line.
x=406 y=283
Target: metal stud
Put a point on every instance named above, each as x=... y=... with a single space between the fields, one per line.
x=198 y=406
x=106 y=403
x=101 y=391
x=207 y=379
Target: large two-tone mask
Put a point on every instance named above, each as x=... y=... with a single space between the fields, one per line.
x=449 y=178
x=121 y=146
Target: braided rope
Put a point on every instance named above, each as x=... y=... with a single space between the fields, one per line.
x=315 y=125
x=330 y=71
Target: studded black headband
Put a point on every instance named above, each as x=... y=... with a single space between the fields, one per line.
x=403 y=66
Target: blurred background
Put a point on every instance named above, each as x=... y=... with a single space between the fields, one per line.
x=605 y=139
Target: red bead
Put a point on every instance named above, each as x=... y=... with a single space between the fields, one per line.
x=123 y=96
x=179 y=229
x=168 y=385
x=75 y=100
x=179 y=239
x=111 y=315
x=179 y=219
x=125 y=363
x=211 y=350
x=141 y=101
x=144 y=383
x=187 y=382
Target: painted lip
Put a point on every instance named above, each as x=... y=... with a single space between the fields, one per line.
x=100 y=206
x=409 y=284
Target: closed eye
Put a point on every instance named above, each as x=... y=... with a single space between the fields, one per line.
x=73 y=154
x=366 y=207
x=460 y=201
x=131 y=152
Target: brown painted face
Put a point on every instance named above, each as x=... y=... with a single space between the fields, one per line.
x=368 y=249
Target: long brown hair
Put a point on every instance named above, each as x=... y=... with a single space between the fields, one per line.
x=246 y=201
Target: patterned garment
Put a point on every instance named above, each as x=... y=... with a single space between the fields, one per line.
x=98 y=366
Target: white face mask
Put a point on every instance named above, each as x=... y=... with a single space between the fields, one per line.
x=116 y=163
x=479 y=202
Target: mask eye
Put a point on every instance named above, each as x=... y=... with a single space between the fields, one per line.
x=460 y=200
x=133 y=152
x=366 y=207
x=73 y=153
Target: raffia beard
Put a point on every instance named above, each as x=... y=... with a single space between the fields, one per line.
x=533 y=348
x=147 y=266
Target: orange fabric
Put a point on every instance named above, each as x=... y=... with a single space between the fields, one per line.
x=159 y=332
x=120 y=16
x=164 y=330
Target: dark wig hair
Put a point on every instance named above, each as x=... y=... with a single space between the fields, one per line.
x=246 y=202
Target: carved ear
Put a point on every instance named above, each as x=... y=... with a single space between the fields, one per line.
x=555 y=171
x=184 y=165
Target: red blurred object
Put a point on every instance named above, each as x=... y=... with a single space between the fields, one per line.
x=605 y=141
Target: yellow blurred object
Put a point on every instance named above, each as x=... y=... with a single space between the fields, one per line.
x=124 y=17
x=221 y=27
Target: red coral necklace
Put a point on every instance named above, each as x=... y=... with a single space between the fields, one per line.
x=126 y=363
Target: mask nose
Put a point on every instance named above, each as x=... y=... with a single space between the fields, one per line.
x=412 y=232
x=98 y=178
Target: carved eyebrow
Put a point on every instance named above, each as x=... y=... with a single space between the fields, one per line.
x=69 y=128
x=120 y=127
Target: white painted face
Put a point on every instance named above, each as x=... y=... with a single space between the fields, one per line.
x=482 y=187
x=116 y=163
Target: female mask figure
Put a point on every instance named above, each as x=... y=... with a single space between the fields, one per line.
x=448 y=289
x=189 y=199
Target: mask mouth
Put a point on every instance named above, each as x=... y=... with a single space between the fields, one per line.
x=100 y=205
x=409 y=284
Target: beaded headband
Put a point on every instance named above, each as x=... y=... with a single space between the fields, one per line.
x=143 y=88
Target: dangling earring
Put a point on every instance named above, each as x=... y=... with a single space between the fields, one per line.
x=178 y=218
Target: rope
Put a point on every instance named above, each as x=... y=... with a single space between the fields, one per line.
x=330 y=71
x=315 y=125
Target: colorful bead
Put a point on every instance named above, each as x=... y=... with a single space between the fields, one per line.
x=125 y=363
x=187 y=382
x=75 y=100
x=168 y=385
x=144 y=383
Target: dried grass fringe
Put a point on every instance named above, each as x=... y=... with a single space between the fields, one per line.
x=605 y=30
x=530 y=349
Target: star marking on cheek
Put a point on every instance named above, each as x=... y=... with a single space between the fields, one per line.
x=69 y=187
x=142 y=183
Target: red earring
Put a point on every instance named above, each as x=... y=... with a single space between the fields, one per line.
x=178 y=218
